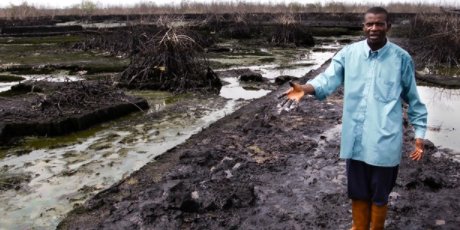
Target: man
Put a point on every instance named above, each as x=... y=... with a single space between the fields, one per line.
x=377 y=75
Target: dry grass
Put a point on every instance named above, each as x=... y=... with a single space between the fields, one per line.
x=88 y=7
x=290 y=31
x=436 y=38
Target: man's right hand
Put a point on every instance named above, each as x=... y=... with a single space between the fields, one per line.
x=417 y=154
x=293 y=94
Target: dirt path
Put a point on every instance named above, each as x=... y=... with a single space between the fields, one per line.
x=260 y=169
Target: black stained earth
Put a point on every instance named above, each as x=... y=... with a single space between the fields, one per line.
x=55 y=108
x=259 y=168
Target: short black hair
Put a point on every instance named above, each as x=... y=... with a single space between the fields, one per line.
x=378 y=10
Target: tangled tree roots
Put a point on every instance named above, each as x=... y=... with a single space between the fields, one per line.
x=436 y=38
x=70 y=97
x=171 y=60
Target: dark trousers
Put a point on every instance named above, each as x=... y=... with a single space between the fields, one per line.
x=368 y=182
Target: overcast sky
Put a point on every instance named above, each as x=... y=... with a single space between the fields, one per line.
x=104 y=3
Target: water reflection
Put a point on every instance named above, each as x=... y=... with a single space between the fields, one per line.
x=234 y=91
x=5 y=86
x=298 y=68
x=443 y=110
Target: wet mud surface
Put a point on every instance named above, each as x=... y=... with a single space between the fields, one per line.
x=265 y=168
x=52 y=108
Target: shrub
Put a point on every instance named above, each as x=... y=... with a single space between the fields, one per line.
x=171 y=60
x=435 y=38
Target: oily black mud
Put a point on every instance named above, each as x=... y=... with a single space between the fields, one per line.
x=264 y=168
x=56 y=108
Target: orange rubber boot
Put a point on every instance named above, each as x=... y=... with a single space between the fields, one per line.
x=361 y=214
x=378 y=216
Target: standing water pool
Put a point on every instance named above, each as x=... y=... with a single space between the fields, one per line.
x=443 y=111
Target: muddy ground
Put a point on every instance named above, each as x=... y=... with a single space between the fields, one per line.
x=55 y=108
x=264 y=168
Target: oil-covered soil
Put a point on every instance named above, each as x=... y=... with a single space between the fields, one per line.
x=265 y=168
x=56 y=108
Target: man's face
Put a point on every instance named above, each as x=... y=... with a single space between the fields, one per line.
x=375 y=28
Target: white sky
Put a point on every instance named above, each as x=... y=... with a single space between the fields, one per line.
x=104 y=3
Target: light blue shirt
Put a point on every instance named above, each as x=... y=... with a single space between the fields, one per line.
x=374 y=84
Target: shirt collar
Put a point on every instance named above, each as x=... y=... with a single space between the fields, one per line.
x=380 y=52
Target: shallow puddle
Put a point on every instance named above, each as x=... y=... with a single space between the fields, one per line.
x=297 y=68
x=306 y=61
x=443 y=110
x=235 y=91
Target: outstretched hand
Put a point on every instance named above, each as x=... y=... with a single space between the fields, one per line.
x=417 y=154
x=292 y=95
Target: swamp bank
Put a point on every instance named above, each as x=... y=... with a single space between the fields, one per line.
x=50 y=109
x=262 y=167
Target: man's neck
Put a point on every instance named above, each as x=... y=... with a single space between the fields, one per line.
x=377 y=46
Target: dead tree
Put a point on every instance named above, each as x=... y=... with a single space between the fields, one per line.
x=171 y=60
x=289 y=31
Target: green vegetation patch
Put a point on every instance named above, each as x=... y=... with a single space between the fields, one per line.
x=154 y=96
x=59 y=141
x=444 y=70
x=176 y=98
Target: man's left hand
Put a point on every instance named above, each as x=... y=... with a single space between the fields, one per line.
x=417 y=154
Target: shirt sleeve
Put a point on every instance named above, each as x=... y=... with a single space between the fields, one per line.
x=328 y=81
x=417 y=112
